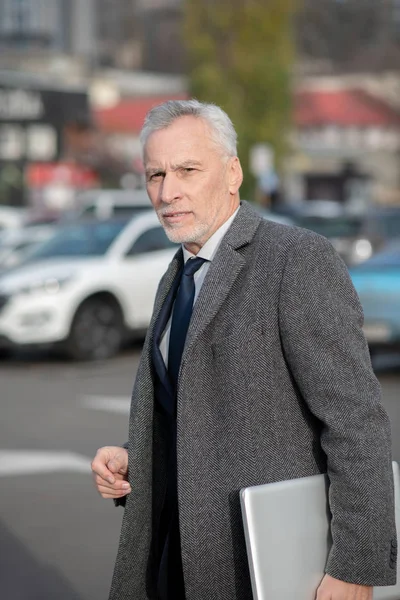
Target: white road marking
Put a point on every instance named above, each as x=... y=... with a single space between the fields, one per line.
x=114 y=404
x=27 y=462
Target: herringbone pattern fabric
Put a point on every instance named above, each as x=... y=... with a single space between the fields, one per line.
x=275 y=383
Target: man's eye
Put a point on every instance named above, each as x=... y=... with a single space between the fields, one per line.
x=154 y=176
x=189 y=169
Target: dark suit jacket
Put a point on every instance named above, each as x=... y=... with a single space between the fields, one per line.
x=275 y=383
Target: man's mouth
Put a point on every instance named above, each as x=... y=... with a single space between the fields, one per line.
x=175 y=215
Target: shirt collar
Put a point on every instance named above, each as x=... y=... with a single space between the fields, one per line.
x=211 y=246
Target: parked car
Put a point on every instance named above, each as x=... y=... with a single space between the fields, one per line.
x=356 y=237
x=87 y=288
x=377 y=282
x=381 y=225
x=345 y=232
x=16 y=244
x=11 y=217
x=105 y=204
x=271 y=216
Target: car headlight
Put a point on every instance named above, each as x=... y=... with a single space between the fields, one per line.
x=49 y=285
x=362 y=250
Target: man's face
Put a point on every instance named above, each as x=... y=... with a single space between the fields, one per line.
x=192 y=186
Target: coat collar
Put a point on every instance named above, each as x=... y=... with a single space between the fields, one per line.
x=222 y=273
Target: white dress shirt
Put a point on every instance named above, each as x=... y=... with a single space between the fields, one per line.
x=207 y=252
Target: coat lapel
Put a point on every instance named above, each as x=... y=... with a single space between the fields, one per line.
x=223 y=271
x=151 y=353
x=159 y=327
x=137 y=527
x=141 y=418
x=221 y=275
x=164 y=288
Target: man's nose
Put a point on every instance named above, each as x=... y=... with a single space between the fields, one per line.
x=170 y=189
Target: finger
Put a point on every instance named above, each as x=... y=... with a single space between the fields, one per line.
x=118 y=457
x=109 y=497
x=119 y=486
x=119 y=483
x=107 y=492
x=118 y=477
x=118 y=464
x=99 y=468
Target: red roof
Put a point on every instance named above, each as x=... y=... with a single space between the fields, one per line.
x=343 y=108
x=128 y=115
x=312 y=108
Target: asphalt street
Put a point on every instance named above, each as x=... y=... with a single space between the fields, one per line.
x=58 y=538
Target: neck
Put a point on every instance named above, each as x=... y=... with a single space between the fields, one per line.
x=195 y=247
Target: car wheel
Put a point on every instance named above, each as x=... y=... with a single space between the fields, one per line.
x=97 y=330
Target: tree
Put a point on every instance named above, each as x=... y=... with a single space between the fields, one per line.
x=240 y=56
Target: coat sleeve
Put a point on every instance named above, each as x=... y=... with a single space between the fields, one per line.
x=321 y=329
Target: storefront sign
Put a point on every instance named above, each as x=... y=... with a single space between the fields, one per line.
x=20 y=105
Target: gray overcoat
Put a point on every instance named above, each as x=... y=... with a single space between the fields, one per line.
x=275 y=383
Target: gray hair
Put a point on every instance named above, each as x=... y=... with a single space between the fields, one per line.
x=163 y=115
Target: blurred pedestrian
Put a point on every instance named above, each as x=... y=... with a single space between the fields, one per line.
x=268 y=190
x=268 y=379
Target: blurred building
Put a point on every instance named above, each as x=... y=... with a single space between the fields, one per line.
x=141 y=34
x=91 y=34
x=41 y=123
x=129 y=56
x=120 y=124
x=36 y=32
x=351 y=36
x=331 y=36
x=118 y=30
x=161 y=23
x=33 y=24
x=346 y=143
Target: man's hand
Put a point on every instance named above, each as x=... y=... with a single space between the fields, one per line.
x=333 y=589
x=110 y=472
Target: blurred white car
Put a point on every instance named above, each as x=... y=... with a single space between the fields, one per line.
x=106 y=204
x=12 y=217
x=87 y=288
x=16 y=244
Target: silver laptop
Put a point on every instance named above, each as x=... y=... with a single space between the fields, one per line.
x=288 y=538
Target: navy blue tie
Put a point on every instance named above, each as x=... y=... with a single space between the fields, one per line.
x=181 y=315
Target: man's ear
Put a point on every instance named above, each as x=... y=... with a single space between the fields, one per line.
x=235 y=175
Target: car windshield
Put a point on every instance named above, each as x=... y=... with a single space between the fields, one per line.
x=7 y=248
x=388 y=225
x=83 y=239
x=332 y=227
x=115 y=210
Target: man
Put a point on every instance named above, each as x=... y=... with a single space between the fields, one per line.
x=269 y=378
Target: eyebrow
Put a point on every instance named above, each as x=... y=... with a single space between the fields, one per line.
x=153 y=170
x=186 y=163
x=182 y=165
